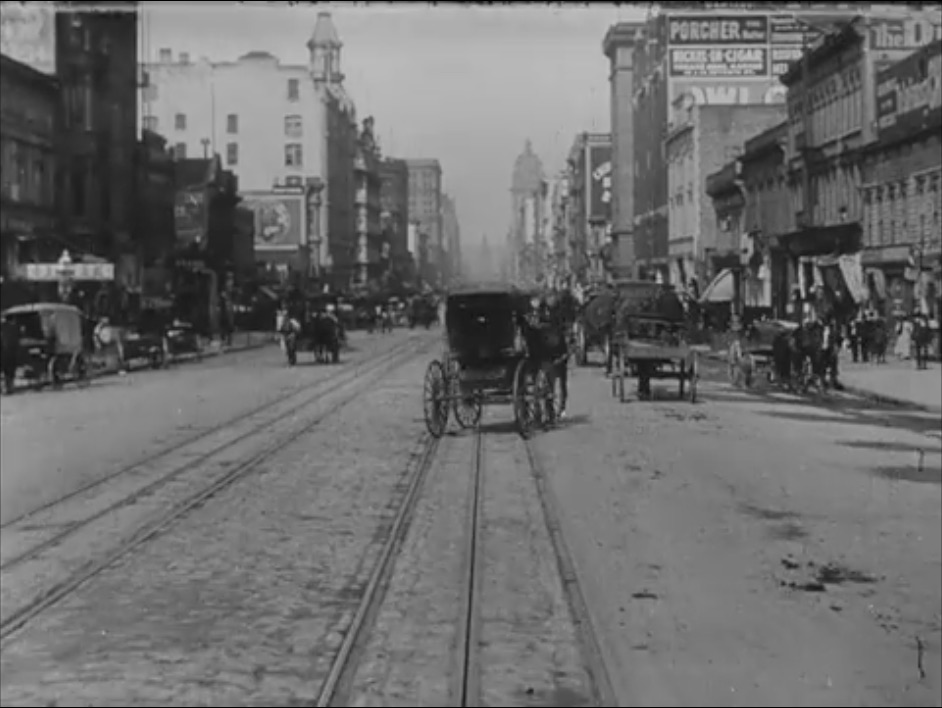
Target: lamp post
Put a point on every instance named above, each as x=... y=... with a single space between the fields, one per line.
x=66 y=272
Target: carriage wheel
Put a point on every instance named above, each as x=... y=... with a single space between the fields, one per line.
x=523 y=399
x=748 y=370
x=467 y=409
x=693 y=374
x=435 y=399
x=78 y=368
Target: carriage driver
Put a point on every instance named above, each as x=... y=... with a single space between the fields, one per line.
x=553 y=322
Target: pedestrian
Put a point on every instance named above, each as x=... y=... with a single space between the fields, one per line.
x=904 y=339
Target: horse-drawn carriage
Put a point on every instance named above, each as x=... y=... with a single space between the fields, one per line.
x=650 y=339
x=486 y=360
x=752 y=353
x=313 y=327
x=49 y=341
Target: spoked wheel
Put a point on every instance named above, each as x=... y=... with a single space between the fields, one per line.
x=466 y=408
x=546 y=398
x=524 y=401
x=435 y=399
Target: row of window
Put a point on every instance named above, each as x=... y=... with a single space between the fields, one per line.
x=294 y=154
x=903 y=212
x=26 y=174
x=294 y=124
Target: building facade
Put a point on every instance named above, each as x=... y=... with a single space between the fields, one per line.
x=96 y=63
x=373 y=252
x=451 y=236
x=701 y=140
x=275 y=126
x=394 y=217
x=28 y=218
x=153 y=223
x=728 y=57
x=589 y=202
x=902 y=195
x=425 y=209
x=528 y=203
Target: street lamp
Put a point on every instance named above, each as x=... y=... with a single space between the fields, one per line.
x=66 y=272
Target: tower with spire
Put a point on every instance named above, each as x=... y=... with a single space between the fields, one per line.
x=528 y=196
x=324 y=49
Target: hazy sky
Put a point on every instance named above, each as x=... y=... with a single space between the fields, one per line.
x=466 y=84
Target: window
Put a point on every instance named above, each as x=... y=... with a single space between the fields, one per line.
x=232 y=153
x=179 y=121
x=294 y=128
x=232 y=123
x=293 y=181
x=294 y=89
x=179 y=151
x=293 y=156
x=150 y=123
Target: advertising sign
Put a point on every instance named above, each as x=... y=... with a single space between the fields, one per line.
x=905 y=34
x=719 y=62
x=715 y=30
x=909 y=94
x=28 y=34
x=729 y=93
x=279 y=220
x=600 y=182
x=101 y=272
x=189 y=213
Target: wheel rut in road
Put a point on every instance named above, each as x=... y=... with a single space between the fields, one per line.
x=87 y=532
x=479 y=610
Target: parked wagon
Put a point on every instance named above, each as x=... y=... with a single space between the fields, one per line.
x=751 y=354
x=650 y=340
x=486 y=362
x=52 y=342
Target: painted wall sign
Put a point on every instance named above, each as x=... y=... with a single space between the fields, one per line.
x=782 y=56
x=907 y=34
x=189 y=213
x=279 y=220
x=729 y=93
x=909 y=94
x=717 y=62
x=600 y=182
x=718 y=30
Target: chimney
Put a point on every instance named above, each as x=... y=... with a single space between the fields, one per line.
x=184 y=57
x=166 y=56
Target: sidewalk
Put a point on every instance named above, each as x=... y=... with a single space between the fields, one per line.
x=896 y=382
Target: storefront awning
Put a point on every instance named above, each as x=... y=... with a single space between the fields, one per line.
x=720 y=289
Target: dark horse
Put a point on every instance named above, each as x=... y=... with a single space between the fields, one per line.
x=547 y=343
x=807 y=355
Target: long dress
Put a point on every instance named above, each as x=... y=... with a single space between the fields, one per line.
x=904 y=341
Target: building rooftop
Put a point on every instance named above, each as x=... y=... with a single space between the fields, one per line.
x=528 y=172
x=325 y=33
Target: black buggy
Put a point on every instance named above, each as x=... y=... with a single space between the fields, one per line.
x=486 y=360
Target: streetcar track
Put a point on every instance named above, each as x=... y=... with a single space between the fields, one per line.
x=465 y=686
x=319 y=389
x=64 y=588
x=174 y=447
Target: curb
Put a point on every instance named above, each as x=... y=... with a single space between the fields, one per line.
x=890 y=400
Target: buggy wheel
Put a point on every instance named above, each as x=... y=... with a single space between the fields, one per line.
x=467 y=409
x=435 y=399
x=523 y=399
x=78 y=368
x=545 y=398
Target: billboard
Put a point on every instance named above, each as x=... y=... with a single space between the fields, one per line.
x=909 y=94
x=713 y=30
x=279 y=220
x=717 y=92
x=599 y=182
x=28 y=34
x=719 y=62
x=893 y=39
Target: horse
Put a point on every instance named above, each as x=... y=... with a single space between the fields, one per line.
x=807 y=355
x=547 y=345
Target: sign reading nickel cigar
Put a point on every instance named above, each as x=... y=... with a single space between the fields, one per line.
x=712 y=30
x=719 y=62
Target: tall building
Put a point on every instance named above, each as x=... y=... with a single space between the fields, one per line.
x=372 y=253
x=28 y=218
x=589 y=204
x=528 y=198
x=451 y=237
x=730 y=57
x=96 y=62
x=425 y=208
x=287 y=131
x=394 y=202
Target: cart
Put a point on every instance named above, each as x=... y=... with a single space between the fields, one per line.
x=650 y=340
x=52 y=342
x=485 y=361
x=750 y=355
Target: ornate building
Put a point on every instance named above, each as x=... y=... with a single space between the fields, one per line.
x=528 y=201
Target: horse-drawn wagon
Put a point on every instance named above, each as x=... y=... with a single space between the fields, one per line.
x=313 y=327
x=752 y=353
x=49 y=341
x=486 y=361
x=650 y=340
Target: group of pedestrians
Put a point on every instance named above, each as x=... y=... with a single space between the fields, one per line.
x=868 y=338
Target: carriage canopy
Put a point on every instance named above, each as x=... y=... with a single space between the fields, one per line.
x=482 y=324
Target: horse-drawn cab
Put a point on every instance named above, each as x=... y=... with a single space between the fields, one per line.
x=49 y=340
x=485 y=361
x=314 y=327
